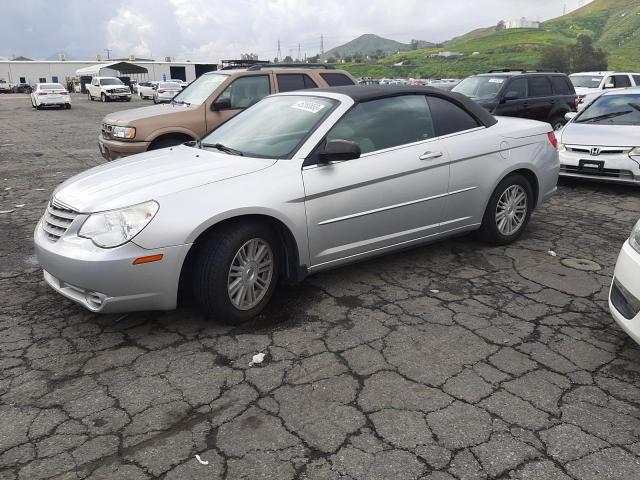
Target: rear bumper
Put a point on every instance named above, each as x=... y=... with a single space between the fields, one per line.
x=113 y=149
x=624 y=296
x=45 y=100
x=105 y=280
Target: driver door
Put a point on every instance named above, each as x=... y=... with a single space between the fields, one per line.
x=242 y=93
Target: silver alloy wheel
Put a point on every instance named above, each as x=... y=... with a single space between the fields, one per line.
x=250 y=274
x=511 y=210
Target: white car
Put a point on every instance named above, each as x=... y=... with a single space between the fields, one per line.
x=602 y=142
x=182 y=83
x=590 y=85
x=165 y=91
x=50 y=95
x=624 y=296
x=108 y=89
x=146 y=89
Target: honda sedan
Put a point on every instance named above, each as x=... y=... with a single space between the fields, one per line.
x=602 y=142
x=298 y=183
x=50 y=95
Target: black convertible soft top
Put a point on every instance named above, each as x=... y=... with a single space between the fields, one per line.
x=365 y=93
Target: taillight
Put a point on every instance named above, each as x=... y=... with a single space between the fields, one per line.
x=42 y=93
x=553 y=139
x=576 y=103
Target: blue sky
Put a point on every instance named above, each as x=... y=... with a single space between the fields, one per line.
x=203 y=30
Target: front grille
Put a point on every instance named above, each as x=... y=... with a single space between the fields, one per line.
x=107 y=131
x=605 y=172
x=603 y=151
x=120 y=90
x=57 y=220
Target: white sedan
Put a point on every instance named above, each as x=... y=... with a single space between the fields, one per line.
x=602 y=142
x=165 y=91
x=146 y=89
x=50 y=95
x=624 y=296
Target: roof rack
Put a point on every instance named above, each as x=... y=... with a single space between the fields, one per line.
x=507 y=70
x=292 y=65
x=231 y=64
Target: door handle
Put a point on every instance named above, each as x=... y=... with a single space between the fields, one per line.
x=430 y=155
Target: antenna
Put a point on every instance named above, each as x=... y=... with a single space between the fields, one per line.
x=279 y=52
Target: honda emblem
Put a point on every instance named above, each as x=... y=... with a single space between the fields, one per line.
x=595 y=151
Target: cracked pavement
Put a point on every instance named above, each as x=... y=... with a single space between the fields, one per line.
x=450 y=361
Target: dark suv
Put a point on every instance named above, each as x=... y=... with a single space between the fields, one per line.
x=544 y=96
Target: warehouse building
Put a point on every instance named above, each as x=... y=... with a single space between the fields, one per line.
x=39 y=71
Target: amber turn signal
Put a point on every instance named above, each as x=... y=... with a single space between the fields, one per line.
x=149 y=259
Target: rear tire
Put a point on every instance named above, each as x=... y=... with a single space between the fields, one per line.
x=236 y=272
x=68 y=106
x=508 y=211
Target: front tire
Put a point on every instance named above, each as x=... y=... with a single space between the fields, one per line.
x=558 y=123
x=236 y=272
x=89 y=97
x=508 y=211
x=103 y=98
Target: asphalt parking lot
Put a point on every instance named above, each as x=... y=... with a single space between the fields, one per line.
x=450 y=361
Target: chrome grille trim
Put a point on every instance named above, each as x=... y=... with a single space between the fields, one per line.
x=603 y=150
x=57 y=220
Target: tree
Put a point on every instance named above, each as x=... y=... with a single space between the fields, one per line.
x=314 y=59
x=287 y=59
x=555 y=57
x=584 y=57
x=501 y=25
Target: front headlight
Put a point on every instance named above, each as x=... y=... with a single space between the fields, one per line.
x=124 y=132
x=116 y=227
x=561 y=147
x=635 y=153
x=634 y=238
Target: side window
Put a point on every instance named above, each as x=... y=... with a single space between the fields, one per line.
x=245 y=91
x=621 y=81
x=539 y=86
x=23 y=80
x=560 y=86
x=519 y=87
x=42 y=80
x=336 y=79
x=288 y=82
x=449 y=118
x=368 y=123
x=636 y=79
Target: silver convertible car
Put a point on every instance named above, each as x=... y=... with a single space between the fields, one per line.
x=298 y=183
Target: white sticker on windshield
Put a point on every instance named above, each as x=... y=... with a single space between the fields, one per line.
x=307 y=106
x=596 y=79
x=496 y=80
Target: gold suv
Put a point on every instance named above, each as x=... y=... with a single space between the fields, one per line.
x=207 y=102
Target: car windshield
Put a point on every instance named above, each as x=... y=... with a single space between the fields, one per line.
x=169 y=86
x=481 y=88
x=272 y=128
x=585 y=81
x=612 y=110
x=110 y=81
x=52 y=86
x=200 y=89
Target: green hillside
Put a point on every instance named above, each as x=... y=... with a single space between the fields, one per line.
x=370 y=44
x=614 y=26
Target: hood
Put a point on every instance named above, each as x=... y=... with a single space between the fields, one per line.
x=601 y=135
x=585 y=90
x=151 y=176
x=127 y=117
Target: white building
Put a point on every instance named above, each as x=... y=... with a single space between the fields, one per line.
x=38 y=71
x=521 y=23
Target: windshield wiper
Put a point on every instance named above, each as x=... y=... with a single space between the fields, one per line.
x=223 y=148
x=180 y=102
x=635 y=106
x=604 y=117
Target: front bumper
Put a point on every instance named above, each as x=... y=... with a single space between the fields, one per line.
x=616 y=168
x=114 y=149
x=118 y=96
x=624 y=295
x=105 y=280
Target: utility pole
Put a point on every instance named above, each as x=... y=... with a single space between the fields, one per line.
x=322 y=45
x=279 y=52
x=291 y=53
x=299 y=57
x=108 y=50
x=564 y=10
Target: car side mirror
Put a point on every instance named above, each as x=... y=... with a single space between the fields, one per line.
x=570 y=116
x=509 y=96
x=221 y=104
x=339 y=151
x=609 y=85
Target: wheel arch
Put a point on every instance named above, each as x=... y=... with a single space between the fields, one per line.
x=530 y=175
x=290 y=268
x=181 y=134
